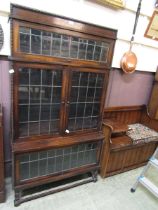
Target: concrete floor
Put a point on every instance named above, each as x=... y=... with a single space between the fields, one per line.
x=112 y=193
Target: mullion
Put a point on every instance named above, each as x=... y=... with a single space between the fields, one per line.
x=94 y=51
x=101 y=52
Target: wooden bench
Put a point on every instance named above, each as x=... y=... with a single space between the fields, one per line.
x=119 y=154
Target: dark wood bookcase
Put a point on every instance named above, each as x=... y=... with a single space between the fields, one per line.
x=59 y=86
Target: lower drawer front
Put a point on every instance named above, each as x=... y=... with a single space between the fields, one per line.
x=47 y=162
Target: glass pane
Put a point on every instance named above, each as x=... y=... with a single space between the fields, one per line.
x=80 y=109
x=43 y=163
x=33 y=128
x=23 y=129
x=51 y=165
x=57 y=78
x=45 y=112
x=90 y=94
x=33 y=169
x=33 y=156
x=56 y=95
x=46 y=43
x=25 y=43
x=60 y=45
x=74 y=49
x=55 y=111
x=74 y=94
x=75 y=78
x=24 y=171
x=35 y=41
x=84 y=79
x=54 y=126
x=34 y=94
x=34 y=113
x=98 y=93
x=46 y=94
x=103 y=54
x=42 y=167
x=39 y=97
x=23 y=113
x=90 y=49
x=82 y=49
x=82 y=94
x=85 y=97
x=23 y=76
x=66 y=162
x=23 y=95
x=56 y=45
x=65 y=46
x=35 y=77
x=47 y=77
x=96 y=109
x=72 y=111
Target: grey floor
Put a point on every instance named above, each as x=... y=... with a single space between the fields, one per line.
x=112 y=193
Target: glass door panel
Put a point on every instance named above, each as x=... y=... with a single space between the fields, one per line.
x=39 y=99
x=85 y=99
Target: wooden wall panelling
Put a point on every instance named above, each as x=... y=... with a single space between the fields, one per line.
x=153 y=102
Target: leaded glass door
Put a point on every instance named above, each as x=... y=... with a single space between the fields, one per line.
x=85 y=100
x=38 y=95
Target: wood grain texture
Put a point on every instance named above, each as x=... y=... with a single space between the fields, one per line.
x=153 y=102
x=119 y=153
x=28 y=18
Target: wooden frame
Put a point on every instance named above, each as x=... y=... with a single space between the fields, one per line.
x=152 y=29
x=17 y=54
x=26 y=17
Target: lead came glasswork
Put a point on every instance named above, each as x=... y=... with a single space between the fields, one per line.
x=39 y=101
x=40 y=42
x=85 y=97
x=37 y=164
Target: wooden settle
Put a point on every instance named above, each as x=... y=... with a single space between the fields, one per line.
x=119 y=153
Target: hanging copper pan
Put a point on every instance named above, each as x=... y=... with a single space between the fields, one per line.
x=129 y=60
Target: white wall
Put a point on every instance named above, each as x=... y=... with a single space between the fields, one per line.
x=85 y=10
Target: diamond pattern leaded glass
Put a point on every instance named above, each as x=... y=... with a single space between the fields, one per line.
x=39 y=101
x=59 y=160
x=40 y=42
x=85 y=97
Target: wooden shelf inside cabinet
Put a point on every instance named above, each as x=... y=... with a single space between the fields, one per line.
x=2 y=181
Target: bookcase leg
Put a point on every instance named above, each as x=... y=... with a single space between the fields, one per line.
x=94 y=175
x=18 y=194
